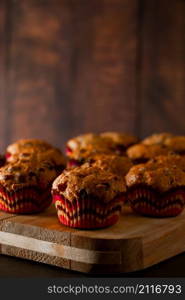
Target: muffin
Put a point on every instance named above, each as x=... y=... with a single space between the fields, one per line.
x=119 y=165
x=141 y=153
x=157 y=138
x=88 y=197
x=35 y=150
x=26 y=187
x=156 y=189
x=118 y=142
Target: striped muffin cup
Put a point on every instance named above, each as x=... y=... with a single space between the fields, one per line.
x=68 y=151
x=87 y=213
x=8 y=157
x=24 y=201
x=149 y=202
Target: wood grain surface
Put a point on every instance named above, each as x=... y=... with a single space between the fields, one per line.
x=162 y=80
x=69 y=67
x=125 y=247
x=3 y=62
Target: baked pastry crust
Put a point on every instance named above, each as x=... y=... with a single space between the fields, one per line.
x=119 y=165
x=157 y=138
x=174 y=142
x=33 y=150
x=120 y=139
x=88 y=181
x=140 y=153
x=28 y=145
x=85 y=142
x=106 y=142
x=156 y=176
x=83 y=154
x=173 y=159
x=17 y=175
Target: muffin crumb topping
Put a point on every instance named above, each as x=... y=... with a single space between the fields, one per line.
x=95 y=183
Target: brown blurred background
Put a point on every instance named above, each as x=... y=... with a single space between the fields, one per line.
x=74 y=66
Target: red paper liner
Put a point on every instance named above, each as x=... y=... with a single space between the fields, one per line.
x=150 y=203
x=8 y=156
x=87 y=214
x=24 y=201
x=68 y=151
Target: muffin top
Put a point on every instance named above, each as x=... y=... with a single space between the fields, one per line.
x=35 y=150
x=84 y=154
x=55 y=156
x=157 y=176
x=106 y=142
x=17 y=175
x=88 y=182
x=157 y=138
x=119 y=139
x=115 y=164
x=170 y=159
x=28 y=145
x=20 y=174
x=52 y=155
x=142 y=152
x=46 y=173
x=176 y=144
x=173 y=142
x=84 y=141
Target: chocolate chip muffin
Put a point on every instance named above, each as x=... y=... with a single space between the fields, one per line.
x=156 y=189
x=118 y=142
x=25 y=187
x=88 y=197
x=141 y=153
x=35 y=150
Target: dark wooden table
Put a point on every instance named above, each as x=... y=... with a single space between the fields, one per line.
x=14 y=267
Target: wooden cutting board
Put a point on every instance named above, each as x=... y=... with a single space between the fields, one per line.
x=134 y=243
